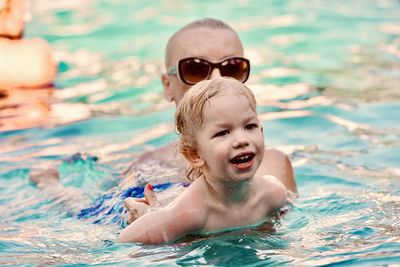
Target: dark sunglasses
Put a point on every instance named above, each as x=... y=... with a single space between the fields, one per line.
x=192 y=70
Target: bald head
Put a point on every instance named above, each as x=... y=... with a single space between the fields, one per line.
x=177 y=40
x=209 y=39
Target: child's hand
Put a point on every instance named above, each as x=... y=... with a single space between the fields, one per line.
x=138 y=206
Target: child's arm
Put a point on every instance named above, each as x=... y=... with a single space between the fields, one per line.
x=166 y=224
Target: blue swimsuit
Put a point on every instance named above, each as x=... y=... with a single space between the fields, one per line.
x=108 y=208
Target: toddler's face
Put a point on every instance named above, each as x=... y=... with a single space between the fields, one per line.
x=231 y=141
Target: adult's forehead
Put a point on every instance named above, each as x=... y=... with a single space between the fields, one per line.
x=209 y=43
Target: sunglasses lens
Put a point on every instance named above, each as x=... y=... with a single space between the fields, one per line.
x=193 y=70
x=238 y=68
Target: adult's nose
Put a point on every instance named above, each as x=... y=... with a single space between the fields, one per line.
x=215 y=73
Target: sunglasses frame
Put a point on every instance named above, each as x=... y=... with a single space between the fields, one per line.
x=176 y=70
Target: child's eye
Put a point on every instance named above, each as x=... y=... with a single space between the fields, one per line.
x=221 y=133
x=251 y=126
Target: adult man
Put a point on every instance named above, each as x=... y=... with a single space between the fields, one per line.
x=216 y=42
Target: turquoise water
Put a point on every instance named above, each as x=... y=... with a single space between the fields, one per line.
x=326 y=75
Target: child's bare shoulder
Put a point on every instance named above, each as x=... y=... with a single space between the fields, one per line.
x=198 y=195
x=192 y=204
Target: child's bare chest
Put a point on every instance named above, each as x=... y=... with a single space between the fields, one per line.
x=222 y=217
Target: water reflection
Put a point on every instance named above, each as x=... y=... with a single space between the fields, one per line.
x=24 y=108
x=31 y=108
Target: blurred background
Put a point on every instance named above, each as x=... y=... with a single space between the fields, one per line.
x=326 y=75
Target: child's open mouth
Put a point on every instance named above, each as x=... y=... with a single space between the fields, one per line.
x=243 y=161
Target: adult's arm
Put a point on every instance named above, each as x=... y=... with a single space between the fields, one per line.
x=277 y=163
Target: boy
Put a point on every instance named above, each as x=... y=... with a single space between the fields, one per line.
x=222 y=139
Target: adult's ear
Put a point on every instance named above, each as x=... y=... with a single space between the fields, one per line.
x=193 y=157
x=167 y=87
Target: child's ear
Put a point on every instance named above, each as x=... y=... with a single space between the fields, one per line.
x=192 y=155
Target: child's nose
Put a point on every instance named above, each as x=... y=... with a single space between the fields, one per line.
x=240 y=140
x=215 y=73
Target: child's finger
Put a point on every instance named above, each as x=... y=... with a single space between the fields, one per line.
x=142 y=200
x=135 y=206
x=129 y=203
x=132 y=213
x=135 y=209
x=150 y=196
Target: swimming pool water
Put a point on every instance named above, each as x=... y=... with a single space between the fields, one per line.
x=326 y=75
